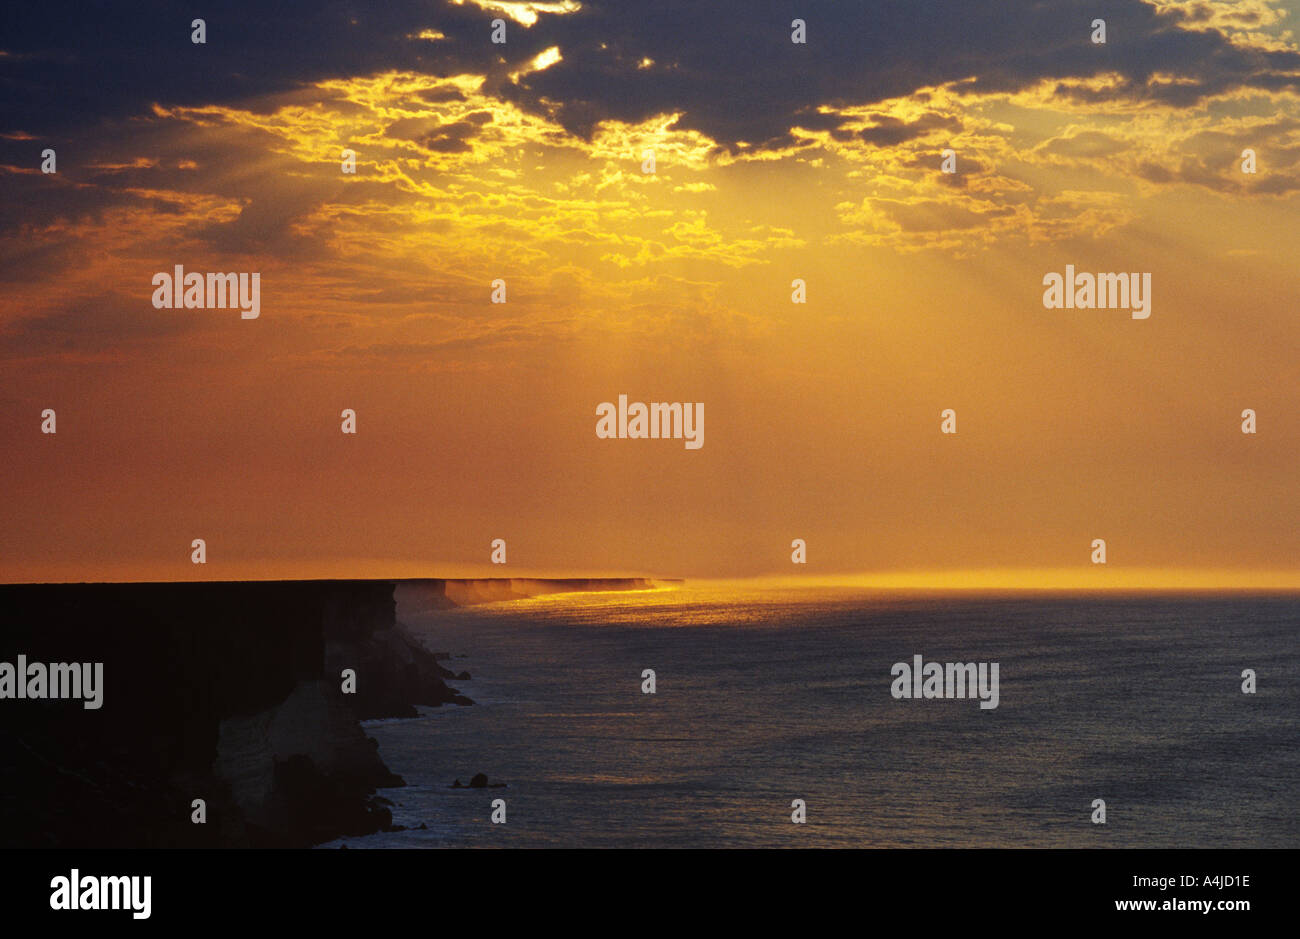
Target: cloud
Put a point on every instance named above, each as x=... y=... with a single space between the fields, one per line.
x=729 y=69
x=891 y=131
x=1087 y=144
x=475 y=157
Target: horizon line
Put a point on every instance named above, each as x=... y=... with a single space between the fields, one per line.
x=1014 y=580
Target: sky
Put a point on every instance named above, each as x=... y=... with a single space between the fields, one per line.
x=524 y=161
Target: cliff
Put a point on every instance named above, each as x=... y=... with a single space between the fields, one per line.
x=227 y=692
x=232 y=693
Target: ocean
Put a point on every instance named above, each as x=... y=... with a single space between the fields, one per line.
x=767 y=696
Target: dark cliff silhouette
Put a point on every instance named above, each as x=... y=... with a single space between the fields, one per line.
x=228 y=692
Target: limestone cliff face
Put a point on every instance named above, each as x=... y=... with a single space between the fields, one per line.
x=226 y=692
x=299 y=767
x=394 y=673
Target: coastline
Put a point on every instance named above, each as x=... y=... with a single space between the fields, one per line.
x=232 y=693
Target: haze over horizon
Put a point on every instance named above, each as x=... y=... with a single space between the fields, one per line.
x=1066 y=580
x=523 y=161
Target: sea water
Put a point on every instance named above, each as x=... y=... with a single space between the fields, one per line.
x=763 y=697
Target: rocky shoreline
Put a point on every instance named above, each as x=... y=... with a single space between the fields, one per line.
x=234 y=693
x=229 y=693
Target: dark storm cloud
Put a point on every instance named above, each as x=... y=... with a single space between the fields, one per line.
x=890 y=131
x=73 y=64
x=729 y=67
x=433 y=135
x=733 y=72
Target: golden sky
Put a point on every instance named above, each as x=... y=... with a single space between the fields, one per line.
x=523 y=162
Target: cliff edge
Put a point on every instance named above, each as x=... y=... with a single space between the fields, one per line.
x=229 y=693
